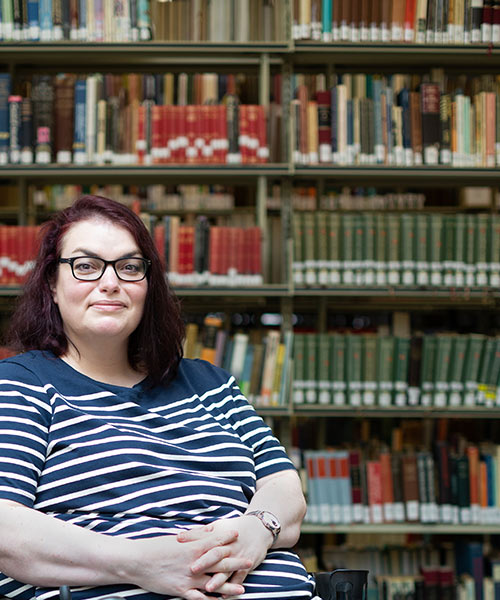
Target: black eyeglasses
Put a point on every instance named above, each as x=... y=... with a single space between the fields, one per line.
x=91 y=268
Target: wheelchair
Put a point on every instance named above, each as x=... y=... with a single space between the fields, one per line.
x=341 y=584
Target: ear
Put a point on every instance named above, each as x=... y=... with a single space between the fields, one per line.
x=52 y=286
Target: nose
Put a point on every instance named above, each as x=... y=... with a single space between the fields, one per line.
x=109 y=279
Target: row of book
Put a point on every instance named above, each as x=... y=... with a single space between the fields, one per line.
x=349 y=486
x=374 y=119
x=141 y=20
x=390 y=249
x=395 y=21
x=346 y=198
x=157 y=197
x=67 y=120
x=440 y=370
x=205 y=254
x=259 y=362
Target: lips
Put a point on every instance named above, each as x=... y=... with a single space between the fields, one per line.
x=108 y=305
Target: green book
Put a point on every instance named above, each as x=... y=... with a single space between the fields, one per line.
x=401 y=365
x=286 y=373
x=354 y=364
x=470 y=250
x=321 y=241
x=393 y=249
x=460 y=258
x=298 y=249
x=338 y=369
x=334 y=247
x=492 y=398
x=299 y=375
x=421 y=250
x=408 y=230
x=494 y=252
x=472 y=363
x=347 y=248
x=323 y=359
x=308 y=241
x=358 y=250
x=457 y=361
x=369 y=346
x=311 y=366
x=487 y=357
x=369 y=248
x=448 y=250
x=441 y=370
x=381 y=249
x=434 y=249
x=385 y=370
x=427 y=370
x=481 y=253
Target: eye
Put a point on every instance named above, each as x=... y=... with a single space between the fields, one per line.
x=130 y=267
x=87 y=265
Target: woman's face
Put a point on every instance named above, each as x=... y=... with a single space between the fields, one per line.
x=106 y=308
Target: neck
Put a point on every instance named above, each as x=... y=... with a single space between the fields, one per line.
x=103 y=363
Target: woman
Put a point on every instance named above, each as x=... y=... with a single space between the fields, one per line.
x=125 y=470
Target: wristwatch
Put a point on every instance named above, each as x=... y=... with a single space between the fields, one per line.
x=269 y=521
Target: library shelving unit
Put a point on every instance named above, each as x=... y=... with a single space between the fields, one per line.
x=287 y=298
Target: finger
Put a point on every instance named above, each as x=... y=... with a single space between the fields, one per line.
x=210 y=558
x=196 y=533
x=230 y=589
x=239 y=576
x=220 y=539
x=217 y=581
x=231 y=564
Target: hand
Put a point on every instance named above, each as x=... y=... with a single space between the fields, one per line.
x=165 y=566
x=251 y=545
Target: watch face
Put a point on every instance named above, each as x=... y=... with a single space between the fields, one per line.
x=271 y=521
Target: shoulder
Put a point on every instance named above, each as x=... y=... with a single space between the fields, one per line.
x=197 y=370
x=26 y=368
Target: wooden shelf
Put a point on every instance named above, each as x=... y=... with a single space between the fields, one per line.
x=440 y=175
x=407 y=412
x=481 y=56
x=387 y=528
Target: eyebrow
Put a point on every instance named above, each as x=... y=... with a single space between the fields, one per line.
x=86 y=252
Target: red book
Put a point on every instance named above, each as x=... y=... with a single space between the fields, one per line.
x=215 y=250
x=168 y=155
x=191 y=149
x=356 y=490
x=222 y=129
x=181 y=133
x=243 y=137
x=156 y=133
x=374 y=488
x=473 y=456
x=205 y=133
x=255 y=243
x=387 y=486
x=253 y=136
x=159 y=239
x=140 y=144
x=409 y=22
x=263 y=147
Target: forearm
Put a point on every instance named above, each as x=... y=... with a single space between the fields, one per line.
x=41 y=550
x=282 y=495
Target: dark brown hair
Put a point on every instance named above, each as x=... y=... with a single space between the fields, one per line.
x=156 y=343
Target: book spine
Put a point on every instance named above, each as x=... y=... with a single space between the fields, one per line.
x=15 y=129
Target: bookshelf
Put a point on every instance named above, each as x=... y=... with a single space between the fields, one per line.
x=286 y=57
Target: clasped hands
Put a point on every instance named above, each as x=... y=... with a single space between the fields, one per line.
x=232 y=548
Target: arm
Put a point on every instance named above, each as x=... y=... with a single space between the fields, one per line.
x=43 y=551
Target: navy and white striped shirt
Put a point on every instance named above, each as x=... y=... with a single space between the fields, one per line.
x=136 y=462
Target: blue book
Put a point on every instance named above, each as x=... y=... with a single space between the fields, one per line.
x=326 y=25
x=404 y=102
x=33 y=20
x=143 y=20
x=45 y=18
x=79 y=135
x=82 y=20
x=5 y=90
x=247 y=370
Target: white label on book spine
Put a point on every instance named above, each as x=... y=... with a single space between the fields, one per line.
x=376 y=513
x=399 y=511
x=446 y=515
x=495 y=34
x=412 y=510
x=357 y=513
x=465 y=515
x=388 y=511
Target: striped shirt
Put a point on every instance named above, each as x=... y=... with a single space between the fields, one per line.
x=136 y=462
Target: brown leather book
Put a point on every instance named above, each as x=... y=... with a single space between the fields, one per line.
x=416 y=127
x=411 y=496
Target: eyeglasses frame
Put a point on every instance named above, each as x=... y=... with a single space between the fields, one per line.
x=70 y=261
